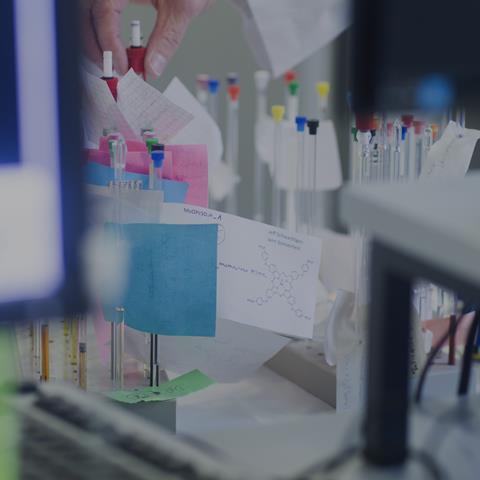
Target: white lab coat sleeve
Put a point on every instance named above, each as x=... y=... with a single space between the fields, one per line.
x=282 y=33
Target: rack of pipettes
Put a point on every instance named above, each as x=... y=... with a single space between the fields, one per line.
x=392 y=148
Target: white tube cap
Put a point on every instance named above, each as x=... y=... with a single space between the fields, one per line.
x=262 y=78
x=135 y=33
x=107 y=64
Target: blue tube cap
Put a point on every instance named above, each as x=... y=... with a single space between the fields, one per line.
x=213 y=85
x=301 y=122
x=158 y=157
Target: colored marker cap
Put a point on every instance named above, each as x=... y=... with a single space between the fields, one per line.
x=301 y=122
x=232 y=78
x=313 y=126
x=293 y=87
x=213 y=85
x=404 y=132
x=158 y=158
x=157 y=147
x=364 y=122
x=278 y=112
x=323 y=89
x=419 y=126
x=150 y=142
x=202 y=80
x=234 y=92
x=407 y=120
x=289 y=76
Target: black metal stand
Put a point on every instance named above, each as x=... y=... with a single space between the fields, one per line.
x=391 y=276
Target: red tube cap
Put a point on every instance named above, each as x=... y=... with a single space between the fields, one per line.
x=419 y=126
x=136 y=59
x=234 y=92
x=364 y=122
x=112 y=85
x=290 y=76
x=407 y=120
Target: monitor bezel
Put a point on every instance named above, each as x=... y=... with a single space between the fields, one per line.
x=70 y=298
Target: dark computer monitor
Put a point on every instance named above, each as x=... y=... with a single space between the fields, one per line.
x=414 y=54
x=41 y=189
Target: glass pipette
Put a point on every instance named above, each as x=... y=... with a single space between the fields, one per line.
x=323 y=92
x=419 y=128
x=262 y=78
x=427 y=144
x=278 y=112
x=387 y=161
x=301 y=172
x=364 y=125
x=397 y=151
x=292 y=100
x=288 y=77
x=119 y=149
x=232 y=143
x=460 y=117
x=213 y=86
x=409 y=156
x=313 y=174
x=201 y=83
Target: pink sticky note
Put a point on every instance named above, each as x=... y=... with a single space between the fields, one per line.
x=183 y=163
x=190 y=164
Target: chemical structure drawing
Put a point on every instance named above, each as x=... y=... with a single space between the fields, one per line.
x=282 y=283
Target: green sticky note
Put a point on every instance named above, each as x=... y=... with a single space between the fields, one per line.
x=179 y=387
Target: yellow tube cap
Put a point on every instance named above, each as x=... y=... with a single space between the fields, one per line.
x=278 y=112
x=323 y=88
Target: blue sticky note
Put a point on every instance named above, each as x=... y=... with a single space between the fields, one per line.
x=101 y=175
x=172 y=284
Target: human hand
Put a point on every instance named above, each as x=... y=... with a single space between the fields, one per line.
x=101 y=30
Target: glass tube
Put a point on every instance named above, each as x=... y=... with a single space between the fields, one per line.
x=300 y=197
x=262 y=79
x=277 y=159
x=232 y=151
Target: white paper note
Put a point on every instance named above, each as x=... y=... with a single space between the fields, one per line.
x=101 y=111
x=328 y=172
x=202 y=129
x=267 y=276
x=145 y=107
x=235 y=352
x=451 y=155
x=291 y=32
